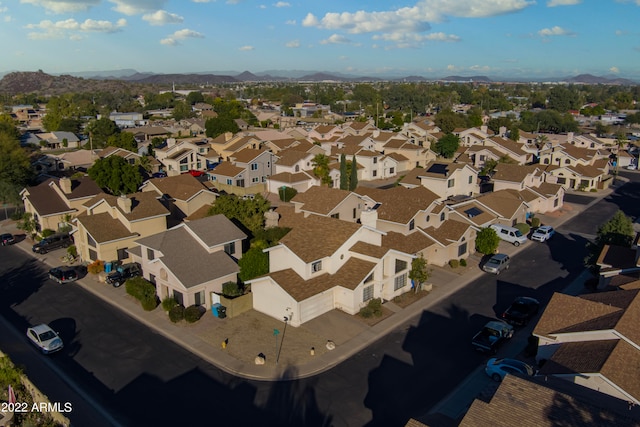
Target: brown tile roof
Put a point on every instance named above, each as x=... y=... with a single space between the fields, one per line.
x=318 y=237
x=181 y=152
x=525 y=403
x=227 y=169
x=481 y=220
x=400 y=204
x=103 y=228
x=509 y=145
x=397 y=156
x=450 y=231
x=321 y=200
x=144 y=205
x=505 y=203
x=413 y=177
x=246 y=155
x=617 y=257
x=46 y=200
x=447 y=169
x=239 y=144
x=409 y=244
x=514 y=173
x=547 y=189
x=290 y=177
x=579 y=153
x=180 y=187
x=290 y=157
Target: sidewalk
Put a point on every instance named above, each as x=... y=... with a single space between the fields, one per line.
x=252 y=333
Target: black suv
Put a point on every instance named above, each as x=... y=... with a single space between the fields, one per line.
x=123 y=273
x=55 y=241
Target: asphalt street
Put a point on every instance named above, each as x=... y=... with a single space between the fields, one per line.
x=136 y=377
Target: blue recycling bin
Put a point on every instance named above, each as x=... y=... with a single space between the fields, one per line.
x=107 y=267
x=214 y=309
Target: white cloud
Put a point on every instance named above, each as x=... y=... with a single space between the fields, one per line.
x=293 y=43
x=136 y=7
x=554 y=3
x=56 y=6
x=614 y=70
x=282 y=4
x=176 y=37
x=555 y=31
x=262 y=6
x=246 y=48
x=413 y=37
x=70 y=27
x=291 y=22
x=336 y=39
x=162 y=17
x=415 y=18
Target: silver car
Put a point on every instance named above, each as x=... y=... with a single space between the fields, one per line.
x=497 y=263
x=497 y=369
x=45 y=338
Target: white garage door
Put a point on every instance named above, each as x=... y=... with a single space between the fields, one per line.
x=315 y=306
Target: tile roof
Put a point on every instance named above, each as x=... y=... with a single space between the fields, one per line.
x=509 y=145
x=412 y=177
x=47 y=201
x=290 y=157
x=400 y=204
x=480 y=220
x=318 y=237
x=506 y=203
x=290 y=178
x=215 y=230
x=409 y=244
x=180 y=187
x=514 y=173
x=320 y=199
x=144 y=205
x=450 y=231
x=227 y=169
x=246 y=155
x=103 y=228
x=525 y=403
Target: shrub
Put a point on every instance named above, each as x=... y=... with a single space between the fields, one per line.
x=47 y=232
x=96 y=267
x=287 y=194
x=373 y=308
x=149 y=304
x=192 y=314
x=231 y=289
x=524 y=228
x=143 y=291
x=463 y=262
x=454 y=263
x=593 y=190
x=168 y=303
x=72 y=250
x=176 y=314
x=535 y=222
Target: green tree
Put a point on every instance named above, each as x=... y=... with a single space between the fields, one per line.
x=194 y=97
x=253 y=263
x=320 y=164
x=617 y=231
x=28 y=224
x=15 y=168
x=216 y=126
x=344 y=178
x=353 y=178
x=514 y=133
x=487 y=241
x=182 y=110
x=116 y=175
x=419 y=272
x=100 y=130
x=249 y=213
x=447 y=145
x=124 y=140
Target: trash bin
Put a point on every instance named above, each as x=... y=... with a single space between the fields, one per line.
x=222 y=312
x=215 y=309
x=107 y=267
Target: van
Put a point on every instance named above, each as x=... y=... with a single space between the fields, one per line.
x=52 y=242
x=509 y=234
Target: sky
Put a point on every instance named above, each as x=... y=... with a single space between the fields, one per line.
x=430 y=38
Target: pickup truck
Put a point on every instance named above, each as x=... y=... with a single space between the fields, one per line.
x=123 y=273
x=492 y=336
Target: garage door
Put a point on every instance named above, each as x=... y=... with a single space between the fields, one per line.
x=315 y=306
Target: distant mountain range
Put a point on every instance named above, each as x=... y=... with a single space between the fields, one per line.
x=26 y=82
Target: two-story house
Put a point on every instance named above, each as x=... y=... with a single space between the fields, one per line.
x=444 y=179
x=181 y=156
x=191 y=261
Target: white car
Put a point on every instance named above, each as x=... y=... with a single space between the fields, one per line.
x=543 y=233
x=45 y=338
x=497 y=369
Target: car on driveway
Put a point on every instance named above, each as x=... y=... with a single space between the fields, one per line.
x=521 y=310
x=52 y=242
x=123 y=273
x=63 y=274
x=543 y=233
x=45 y=338
x=497 y=369
x=7 y=239
x=496 y=264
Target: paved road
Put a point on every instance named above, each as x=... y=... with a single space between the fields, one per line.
x=143 y=379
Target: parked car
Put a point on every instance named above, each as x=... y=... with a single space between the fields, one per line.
x=160 y=174
x=63 y=274
x=123 y=273
x=55 y=241
x=7 y=239
x=196 y=173
x=45 y=338
x=521 y=310
x=509 y=234
x=497 y=369
x=543 y=233
x=497 y=263
x=492 y=336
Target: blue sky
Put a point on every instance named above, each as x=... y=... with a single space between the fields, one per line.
x=431 y=38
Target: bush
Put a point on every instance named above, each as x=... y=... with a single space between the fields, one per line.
x=287 y=194
x=231 y=289
x=192 y=314
x=72 y=250
x=96 y=267
x=48 y=232
x=593 y=190
x=373 y=308
x=149 y=304
x=524 y=228
x=535 y=222
x=453 y=263
x=463 y=262
x=143 y=291
x=168 y=303
x=176 y=314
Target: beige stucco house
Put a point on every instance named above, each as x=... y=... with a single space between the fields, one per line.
x=444 y=179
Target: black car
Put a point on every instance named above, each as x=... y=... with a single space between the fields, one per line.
x=52 y=242
x=7 y=239
x=63 y=274
x=123 y=273
x=521 y=310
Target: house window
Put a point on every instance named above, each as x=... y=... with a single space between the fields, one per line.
x=555 y=203
x=400 y=282
x=470 y=179
x=562 y=180
x=375 y=173
x=412 y=224
x=428 y=218
x=482 y=157
x=369 y=278
x=152 y=279
x=254 y=166
x=255 y=179
x=462 y=249
x=93 y=255
x=178 y=297
x=316 y=266
x=230 y=248
x=336 y=215
x=367 y=293
x=122 y=254
x=355 y=212
x=240 y=183
x=199 y=298
x=90 y=240
x=442 y=216
x=546 y=161
x=567 y=161
x=451 y=183
x=400 y=265
x=375 y=160
x=392 y=170
x=297 y=168
x=229 y=181
x=150 y=254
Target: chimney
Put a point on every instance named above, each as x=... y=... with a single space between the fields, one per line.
x=503 y=131
x=65 y=185
x=483 y=128
x=228 y=136
x=570 y=137
x=124 y=203
x=171 y=142
x=369 y=217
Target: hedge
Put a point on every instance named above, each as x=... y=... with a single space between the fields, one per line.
x=143 y=291
x=192 y=313
x=176 y=314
